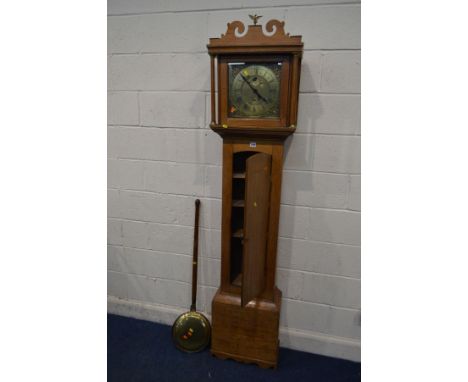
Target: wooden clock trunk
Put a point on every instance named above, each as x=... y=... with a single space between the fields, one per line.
x=246 y=307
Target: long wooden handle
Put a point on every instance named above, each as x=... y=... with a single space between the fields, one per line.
x=193 y=307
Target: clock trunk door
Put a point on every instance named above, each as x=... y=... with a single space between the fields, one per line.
x=257 y=201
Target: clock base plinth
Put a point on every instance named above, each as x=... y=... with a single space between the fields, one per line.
x=263 y=364
x=247 y=334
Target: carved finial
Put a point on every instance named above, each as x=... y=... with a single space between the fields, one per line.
x=255 y=18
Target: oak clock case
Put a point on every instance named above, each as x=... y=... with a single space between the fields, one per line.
x=254 y=98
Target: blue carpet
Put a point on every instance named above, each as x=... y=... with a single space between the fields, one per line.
x=143 y=351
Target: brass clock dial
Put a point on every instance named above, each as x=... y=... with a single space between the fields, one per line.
x=254 y=90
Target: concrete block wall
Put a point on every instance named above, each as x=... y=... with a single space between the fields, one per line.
x=162 y=155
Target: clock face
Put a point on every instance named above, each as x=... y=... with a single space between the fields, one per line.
x=254 y=90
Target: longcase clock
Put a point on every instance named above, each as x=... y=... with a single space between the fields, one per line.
x=254 y=100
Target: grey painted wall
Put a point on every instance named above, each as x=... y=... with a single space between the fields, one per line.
x=162 y=155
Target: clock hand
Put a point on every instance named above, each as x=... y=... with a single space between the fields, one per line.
x=260 y=96
x=254 y=90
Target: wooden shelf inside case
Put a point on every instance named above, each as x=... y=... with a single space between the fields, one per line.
x=239 y=233
x=238 y=280
x=238 y=203
x=239 y=175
